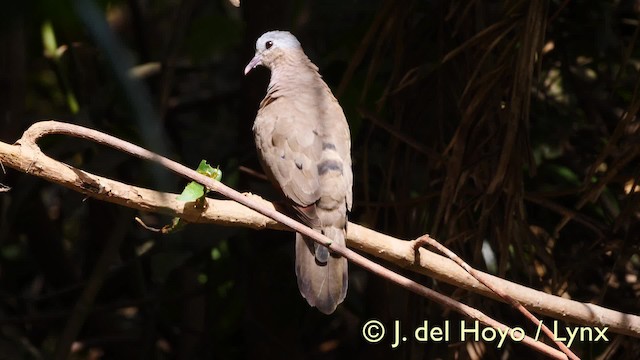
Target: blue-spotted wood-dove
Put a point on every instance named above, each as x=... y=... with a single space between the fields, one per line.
x=303 y=142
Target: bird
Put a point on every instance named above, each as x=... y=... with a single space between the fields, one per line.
x=304 y=146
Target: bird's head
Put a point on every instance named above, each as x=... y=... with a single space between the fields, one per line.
x=270 y=46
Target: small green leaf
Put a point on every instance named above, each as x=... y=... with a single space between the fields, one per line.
x=192 y=192
x=205 y=169
x=217 y=174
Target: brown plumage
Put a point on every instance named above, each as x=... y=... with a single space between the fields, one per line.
x=304 y=145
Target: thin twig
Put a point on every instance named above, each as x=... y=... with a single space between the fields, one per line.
x=426 y=239
x=147 y=227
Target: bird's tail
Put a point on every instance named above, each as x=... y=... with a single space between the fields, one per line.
x=322 y=277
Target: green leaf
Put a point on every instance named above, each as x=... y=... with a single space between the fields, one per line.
x=205 y=169
x=217 y=174
x=192 y=192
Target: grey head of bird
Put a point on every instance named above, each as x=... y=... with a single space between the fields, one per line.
x=271 y=46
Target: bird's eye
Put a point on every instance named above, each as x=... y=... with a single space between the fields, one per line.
x=268 y=44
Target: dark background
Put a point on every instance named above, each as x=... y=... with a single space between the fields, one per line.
x=505 y=129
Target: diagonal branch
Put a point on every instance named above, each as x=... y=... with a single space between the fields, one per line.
x=25 y=156
x=37 y=163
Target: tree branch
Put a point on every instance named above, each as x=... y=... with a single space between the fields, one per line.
x=25 y=156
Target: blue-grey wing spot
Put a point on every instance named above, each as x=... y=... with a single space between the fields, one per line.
x=328 y=146
x=329 y=165
x=322 y=254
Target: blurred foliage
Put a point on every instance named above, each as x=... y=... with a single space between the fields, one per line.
x=506 y=129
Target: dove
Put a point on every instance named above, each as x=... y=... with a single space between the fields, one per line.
x=304 y=145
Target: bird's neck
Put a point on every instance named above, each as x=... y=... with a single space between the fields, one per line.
x=292 y=74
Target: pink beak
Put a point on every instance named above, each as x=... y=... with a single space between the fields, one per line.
x=257 y=60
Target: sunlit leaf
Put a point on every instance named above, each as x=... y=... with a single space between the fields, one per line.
x=192 y=192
